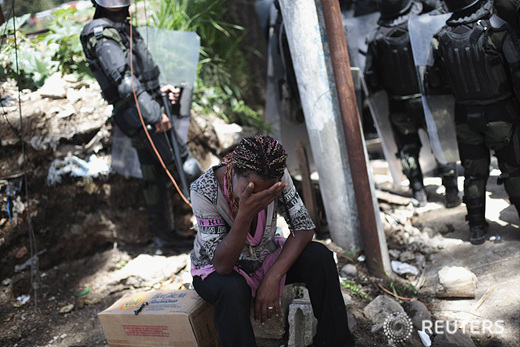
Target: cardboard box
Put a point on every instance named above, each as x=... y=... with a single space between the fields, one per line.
x=177 y=318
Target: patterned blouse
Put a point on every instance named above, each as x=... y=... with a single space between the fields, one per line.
x=214 y=220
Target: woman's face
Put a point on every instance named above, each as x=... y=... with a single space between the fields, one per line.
x=240 y=183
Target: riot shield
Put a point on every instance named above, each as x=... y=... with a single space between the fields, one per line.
x=356 y=30
x=176 y=53
x=439 y=110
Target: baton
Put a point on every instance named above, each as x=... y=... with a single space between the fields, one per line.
x=175 y=144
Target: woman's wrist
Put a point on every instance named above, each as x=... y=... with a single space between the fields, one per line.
x=275 y=275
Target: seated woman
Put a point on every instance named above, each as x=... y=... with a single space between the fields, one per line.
x=237 y=257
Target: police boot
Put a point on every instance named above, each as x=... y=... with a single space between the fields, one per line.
x=416 y=184
x=476 y=218
x=452 y=198
x=413 y=172
x=419 y=198
x=448 y=173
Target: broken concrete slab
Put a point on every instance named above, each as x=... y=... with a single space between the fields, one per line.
x=456 y=282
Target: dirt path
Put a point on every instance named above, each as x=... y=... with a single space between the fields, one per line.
x=495 y=263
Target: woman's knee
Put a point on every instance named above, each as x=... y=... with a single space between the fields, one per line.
x=318 y=254
x=232 y=286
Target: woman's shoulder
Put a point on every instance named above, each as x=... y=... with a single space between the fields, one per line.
x=207 y=185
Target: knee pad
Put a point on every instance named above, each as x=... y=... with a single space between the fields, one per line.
x=474 y=186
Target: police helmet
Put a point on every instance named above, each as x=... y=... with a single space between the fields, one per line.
x=112 y=3
x=393 y=8
x=459 y=5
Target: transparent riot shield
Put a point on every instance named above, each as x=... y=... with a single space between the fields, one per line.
x=356 y=31
x=439 y=109
x=176 y=53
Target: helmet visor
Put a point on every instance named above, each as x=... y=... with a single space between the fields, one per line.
x=113 y=3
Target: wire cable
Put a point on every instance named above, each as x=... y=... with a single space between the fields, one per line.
x=32 y=240
x=142 y=120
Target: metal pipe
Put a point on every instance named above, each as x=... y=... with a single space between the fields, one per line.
x=353 y=136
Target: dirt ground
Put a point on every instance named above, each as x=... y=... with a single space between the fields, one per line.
x=92 y=233
x=496 y=322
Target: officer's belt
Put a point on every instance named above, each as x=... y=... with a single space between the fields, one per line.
x=501 y=110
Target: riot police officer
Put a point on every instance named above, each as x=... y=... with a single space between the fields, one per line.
x=477 y=57
x=106 y=44
x=390 y=66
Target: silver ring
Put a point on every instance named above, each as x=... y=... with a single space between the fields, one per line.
x=270 y=307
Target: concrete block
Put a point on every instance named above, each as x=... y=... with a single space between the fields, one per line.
x=302 y=323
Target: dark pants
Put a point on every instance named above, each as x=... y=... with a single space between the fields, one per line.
x=155 y=180
x=407 y=118
x=315 y=267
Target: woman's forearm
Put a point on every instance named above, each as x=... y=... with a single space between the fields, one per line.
x=229 y=250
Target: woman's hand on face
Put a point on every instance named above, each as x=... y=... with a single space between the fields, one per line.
x=252 y=203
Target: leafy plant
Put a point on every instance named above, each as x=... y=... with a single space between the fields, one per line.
x=9 y=26
x=356 y=289
x=63 y=39
x=58 y=50
x=23 y=58
x=403 y=289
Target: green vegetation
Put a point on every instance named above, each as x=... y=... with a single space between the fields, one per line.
x=403 y=289
x=223 y=71
x=57 y=50
x=34 y=64
x=356 y=289
x=63 y=36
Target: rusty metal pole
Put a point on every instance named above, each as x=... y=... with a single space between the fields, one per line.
x=353 y=136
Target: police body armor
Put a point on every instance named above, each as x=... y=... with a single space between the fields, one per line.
x=395 y=50
x=478 y=73
x=109 y=69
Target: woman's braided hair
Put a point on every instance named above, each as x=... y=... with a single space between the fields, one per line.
x=259 y=154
